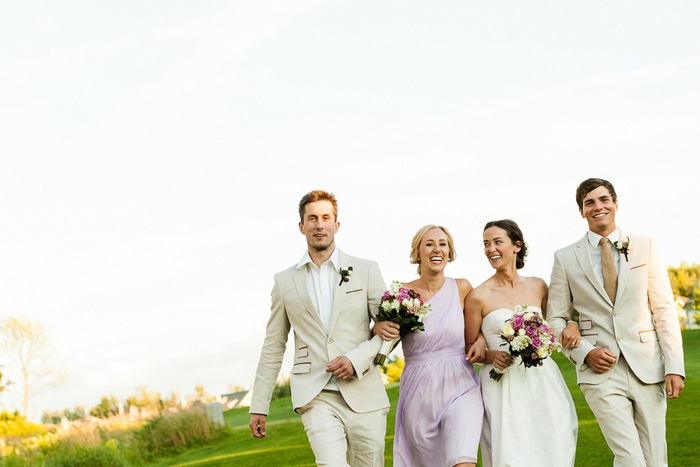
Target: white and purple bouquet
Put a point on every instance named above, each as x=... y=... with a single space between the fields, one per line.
x=529 y=337
x=404 y=307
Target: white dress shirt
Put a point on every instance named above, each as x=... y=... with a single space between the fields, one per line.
x=321 y=284
x=594 y=249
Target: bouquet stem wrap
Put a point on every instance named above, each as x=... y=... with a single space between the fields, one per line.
x=384 y=350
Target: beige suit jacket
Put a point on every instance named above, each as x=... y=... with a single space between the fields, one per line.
x=643 y=322
x=355 y=303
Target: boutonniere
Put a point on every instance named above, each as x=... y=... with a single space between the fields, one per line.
x=624 y=247
x=345 y=275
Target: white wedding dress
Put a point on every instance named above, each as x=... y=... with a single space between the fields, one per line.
x=529 y=416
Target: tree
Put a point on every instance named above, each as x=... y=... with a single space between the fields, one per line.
x=25 y=344
x=685 y=282
x=107 y=406
x=4 y=382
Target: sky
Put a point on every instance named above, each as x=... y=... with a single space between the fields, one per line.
x=153 y=154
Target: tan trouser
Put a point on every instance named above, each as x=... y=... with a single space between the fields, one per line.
x=632 y=416
x=340 y=437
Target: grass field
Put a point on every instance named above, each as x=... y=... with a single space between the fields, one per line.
x=286 y=442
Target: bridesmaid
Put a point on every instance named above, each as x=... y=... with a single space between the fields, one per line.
x=440 y=411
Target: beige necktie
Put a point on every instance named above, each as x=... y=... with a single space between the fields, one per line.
x=609 y=272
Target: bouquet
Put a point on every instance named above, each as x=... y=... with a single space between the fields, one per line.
x=404 y=307
x=529 y=337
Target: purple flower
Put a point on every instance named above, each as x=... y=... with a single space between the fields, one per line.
x=536 y=342
x=531 y=331
x=518 y=321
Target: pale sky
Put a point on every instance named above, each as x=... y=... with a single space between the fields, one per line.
x=152 y=155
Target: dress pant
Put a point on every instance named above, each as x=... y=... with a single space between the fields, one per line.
x=340 y=437
x=631 y=415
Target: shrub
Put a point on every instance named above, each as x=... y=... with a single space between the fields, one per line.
x=173 y=432
x=87 y=455
x=393 y=369
x=282 y=389
x=16 y=425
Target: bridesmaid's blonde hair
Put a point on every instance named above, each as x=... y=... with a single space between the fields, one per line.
x=418 y=238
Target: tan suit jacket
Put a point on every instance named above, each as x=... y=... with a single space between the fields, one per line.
x=643 y=322
x=354 y=304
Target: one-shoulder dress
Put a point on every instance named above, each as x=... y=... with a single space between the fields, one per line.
x=440 y=411
x=529 y=416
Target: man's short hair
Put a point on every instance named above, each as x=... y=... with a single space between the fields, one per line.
x=591 y=184
x=317 y=195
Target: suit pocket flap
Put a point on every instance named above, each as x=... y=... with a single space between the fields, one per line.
x=648 y=336
x=302 y=352
x=301 y=368
x=585 y=324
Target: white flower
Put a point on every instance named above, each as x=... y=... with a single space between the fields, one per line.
x=518 y=309
x=521 y=332
x=395 y=286
x=542 y=352
x=520 y=342
x=528 y=316
x=508 y=331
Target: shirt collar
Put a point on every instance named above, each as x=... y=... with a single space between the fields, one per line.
x=306 y=258
x=594 y=238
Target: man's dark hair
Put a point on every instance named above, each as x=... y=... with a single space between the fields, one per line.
x=591 y=184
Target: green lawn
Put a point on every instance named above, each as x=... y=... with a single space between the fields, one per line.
x=286 y=442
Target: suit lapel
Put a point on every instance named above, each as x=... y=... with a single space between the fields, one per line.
x=584 y=260
x=340 y=290
x=301 y=282
x=623 y=276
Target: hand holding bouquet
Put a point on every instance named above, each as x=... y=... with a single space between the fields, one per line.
x=404 y=307
x=528 y=336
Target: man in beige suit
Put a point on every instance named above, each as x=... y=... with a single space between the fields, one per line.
x=328 y=299
x=631 y=342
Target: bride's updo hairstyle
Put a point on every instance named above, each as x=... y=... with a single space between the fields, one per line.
x=515 y=235
x=418 y=238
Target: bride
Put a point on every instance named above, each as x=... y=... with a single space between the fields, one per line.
x=529 y=416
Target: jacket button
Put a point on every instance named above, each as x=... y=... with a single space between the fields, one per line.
x=330 y=341
x=619 y=338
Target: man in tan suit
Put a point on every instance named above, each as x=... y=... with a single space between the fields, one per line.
x=631 y=341
x=328 y=299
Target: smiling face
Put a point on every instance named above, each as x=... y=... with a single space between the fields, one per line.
x=499 y=248
x=319 y=225
x=434 y=251
x=598 y=208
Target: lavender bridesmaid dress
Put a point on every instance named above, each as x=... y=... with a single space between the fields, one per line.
x=440 y=410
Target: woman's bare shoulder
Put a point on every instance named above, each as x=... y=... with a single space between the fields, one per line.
x=536 y=282
x=464 y=285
